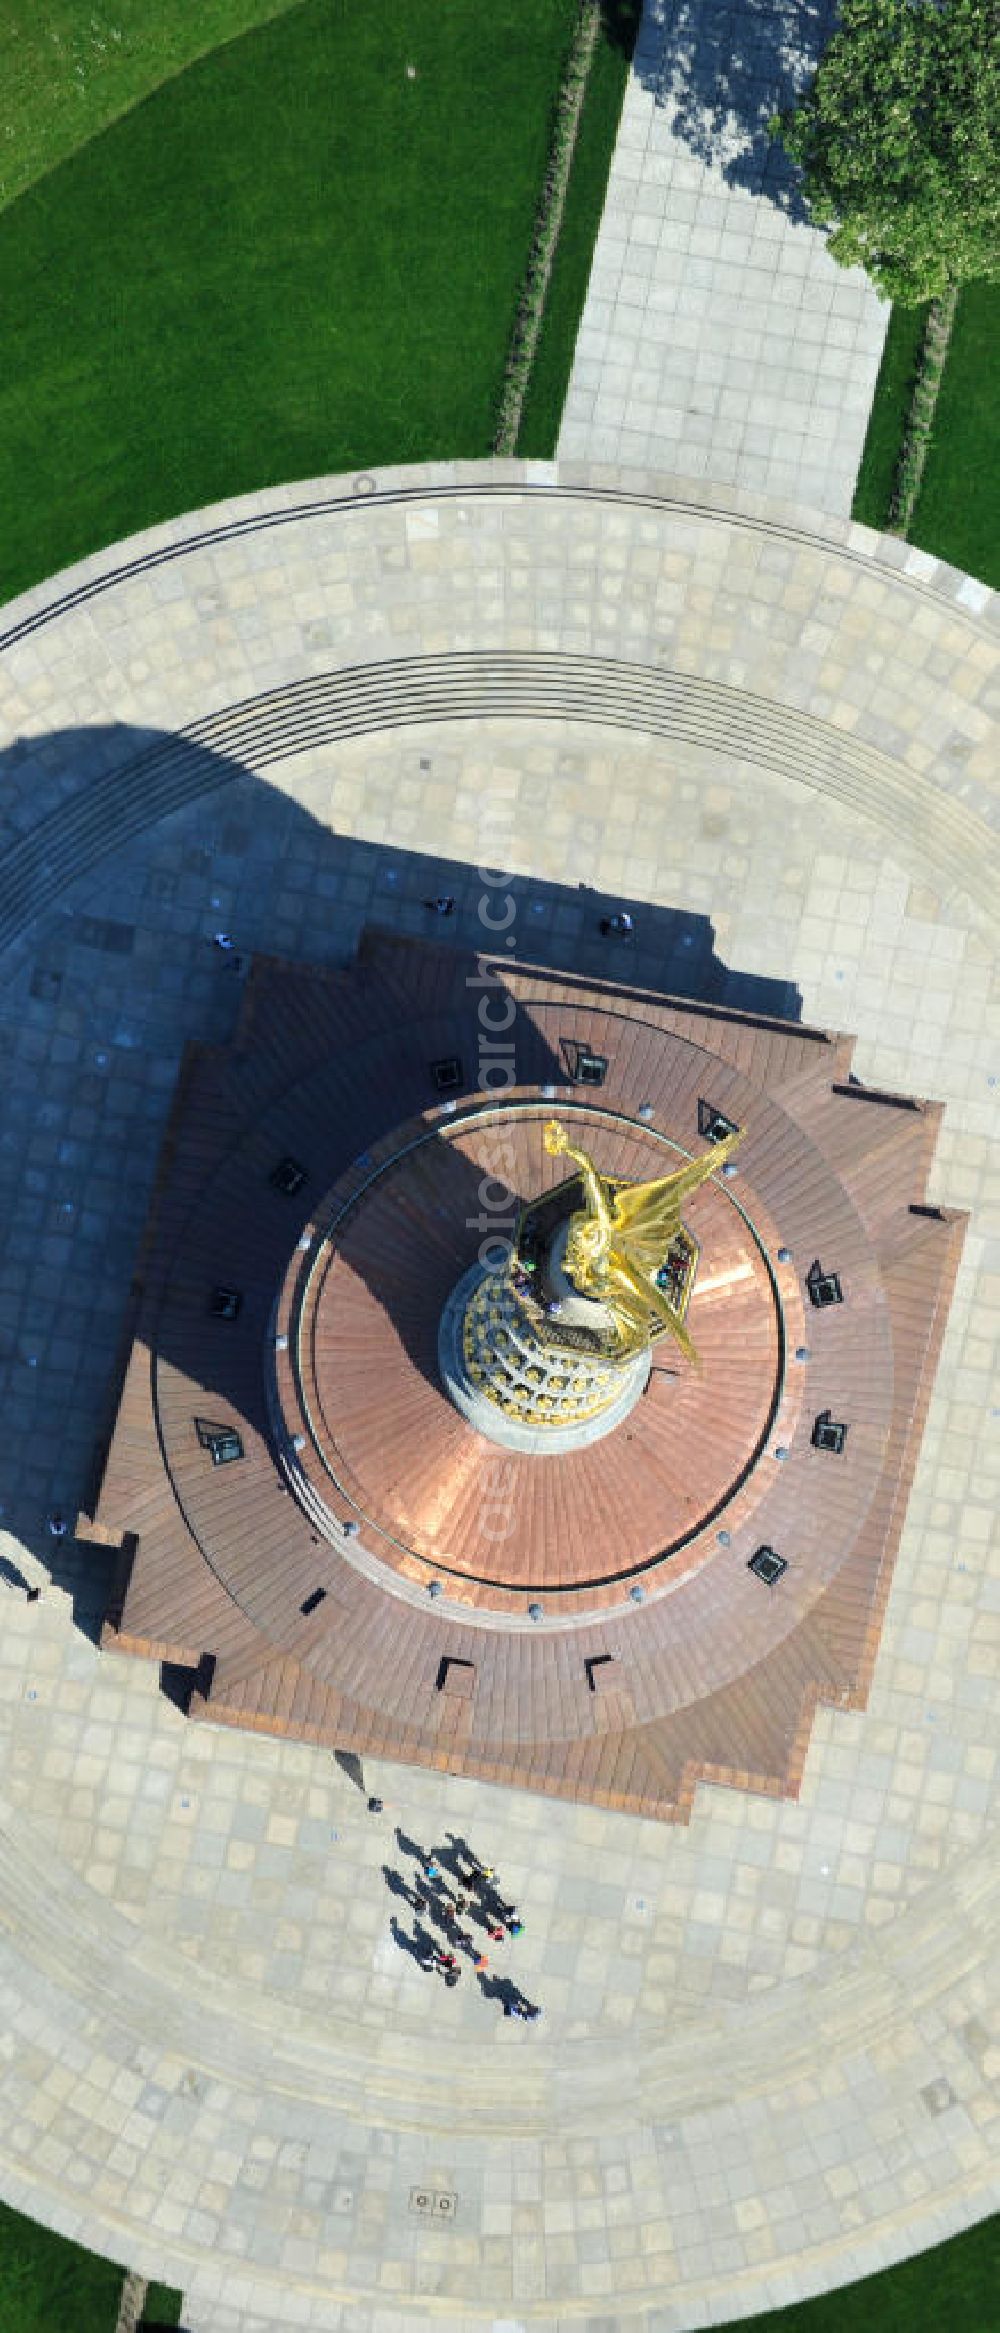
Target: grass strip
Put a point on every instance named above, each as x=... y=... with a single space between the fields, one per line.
x=162 y=2307
x=890 y=407
x=302 y=255
x=957 y=516
x=528 y=320
x=69 y=67
x=584 y=203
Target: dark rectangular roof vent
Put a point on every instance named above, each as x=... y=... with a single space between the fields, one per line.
x=767 y=1565
x=288 y=1177
x=824 y=1287
x=456 y=1677
x=828 y=1433
x=222 y=1442
x=583 y=1066
x=714 y=1124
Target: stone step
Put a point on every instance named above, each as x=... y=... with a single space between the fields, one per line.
x=176 y=772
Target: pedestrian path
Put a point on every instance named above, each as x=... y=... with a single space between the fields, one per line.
x=719 y=341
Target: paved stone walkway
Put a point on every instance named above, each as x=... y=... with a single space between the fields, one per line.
x=719 y=340
x=769 y=2055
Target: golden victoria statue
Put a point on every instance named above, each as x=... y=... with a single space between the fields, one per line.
x=618 y=1247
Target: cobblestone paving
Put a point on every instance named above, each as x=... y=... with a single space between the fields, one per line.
x=769 y=2054
x=719 y=340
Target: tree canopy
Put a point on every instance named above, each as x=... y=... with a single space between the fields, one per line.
x=898 y=136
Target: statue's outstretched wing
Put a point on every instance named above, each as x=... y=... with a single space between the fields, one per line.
x=654 y=1209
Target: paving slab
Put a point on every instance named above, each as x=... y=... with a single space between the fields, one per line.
x=718 y=339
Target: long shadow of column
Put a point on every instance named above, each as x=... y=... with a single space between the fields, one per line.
x=106 y=920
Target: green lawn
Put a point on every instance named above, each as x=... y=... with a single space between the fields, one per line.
x=47 y=2284
x=297 y=256
x=890 y=407
x=958 y=511
x=50 y=2285
x=954 y=2288
x=581 y=218
x=68 y=67
x=163 y=2306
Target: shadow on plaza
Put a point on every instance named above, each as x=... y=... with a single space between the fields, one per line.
x=105 y=982
x=455 y=1911
x=719 y=71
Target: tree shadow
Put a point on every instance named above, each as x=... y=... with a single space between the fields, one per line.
x=620 y=20
x=719 y=71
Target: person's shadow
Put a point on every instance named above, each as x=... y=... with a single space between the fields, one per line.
x=396 y=1884
x=504 y=1991
x=420 y=1946
x=410 y=1847
x=456 y=1854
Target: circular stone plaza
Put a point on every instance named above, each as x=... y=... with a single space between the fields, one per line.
x=768 y=2059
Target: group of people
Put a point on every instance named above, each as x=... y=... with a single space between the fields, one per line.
x=466 y=1891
